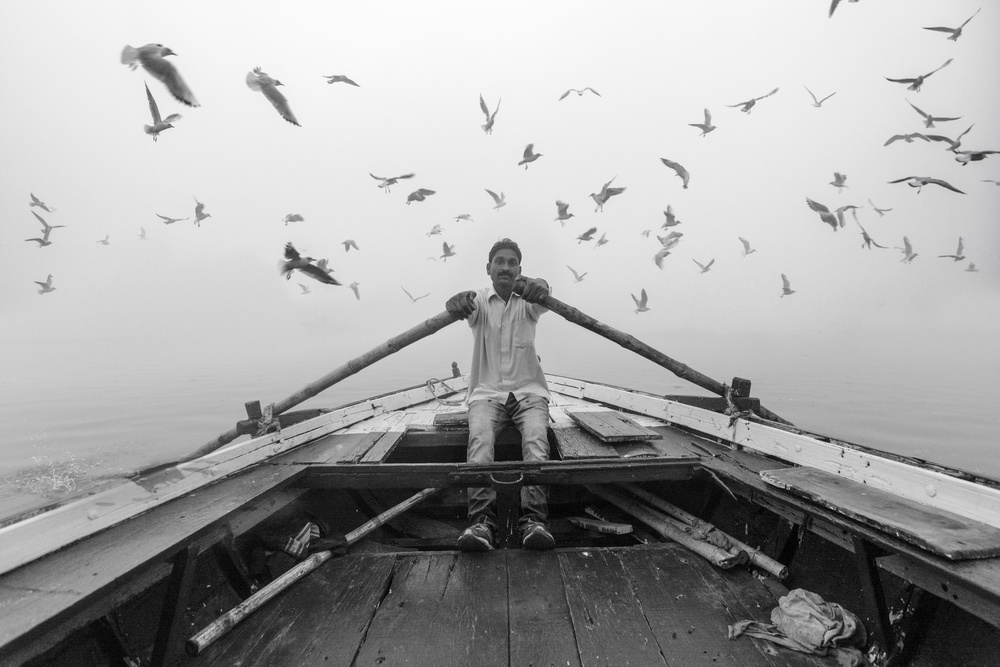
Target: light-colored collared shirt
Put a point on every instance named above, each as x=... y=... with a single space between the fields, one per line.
x=504 y=360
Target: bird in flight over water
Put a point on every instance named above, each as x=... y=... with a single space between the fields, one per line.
x=259 y=80
x=152 y=57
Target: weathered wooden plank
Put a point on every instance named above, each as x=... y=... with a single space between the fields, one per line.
x=541 y=628
x=381 y=449
x=980 y=501
x=575 y=443
x=452 y=420
x=320 y=620
x=443 y=609
x=631 y=449
x=611 y=426
x=75 y=579
x=940 y=532
x=688 y=608
x=974 y=599
x=610 y=626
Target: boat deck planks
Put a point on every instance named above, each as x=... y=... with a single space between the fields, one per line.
x=934 y=529
x=575 y=443
x=344 y=600
x=611 y=426
x=641 y=605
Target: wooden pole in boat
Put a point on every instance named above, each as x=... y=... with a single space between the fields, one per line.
x=390 y=346
x=230 y=619
x=757 y=557
x=634 y=344
x=667 y=528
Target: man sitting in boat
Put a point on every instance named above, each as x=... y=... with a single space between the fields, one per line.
x=506 y=385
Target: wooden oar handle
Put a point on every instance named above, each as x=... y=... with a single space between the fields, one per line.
x=631 y=343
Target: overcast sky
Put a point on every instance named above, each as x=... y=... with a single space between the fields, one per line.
x=72 y=134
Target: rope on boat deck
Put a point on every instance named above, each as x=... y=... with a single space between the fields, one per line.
x=731 y=409
x=442 y=401
x=267 y=422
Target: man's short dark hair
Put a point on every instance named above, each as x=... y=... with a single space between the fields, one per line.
x=509 y=245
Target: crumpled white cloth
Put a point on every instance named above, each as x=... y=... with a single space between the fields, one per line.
x=803 y=621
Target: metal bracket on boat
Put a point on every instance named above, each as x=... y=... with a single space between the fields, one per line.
x=261 y=421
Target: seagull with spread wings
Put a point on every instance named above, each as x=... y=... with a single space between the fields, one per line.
x=833 y=6
x=46 y=227
x=348 y=244
x=746 y=246
x=959 y=254
x=260 y=81
x=640 y=303
x=606 y=193
x=671 y=219
x=745 y=107
x=529 y=155
x=908 y=138
x=490 y=118
x=419 y=195
x=106 y=240
x=159 y=124
x=388 y=182
x=825 y=214
x=449 y=251
x=305 y=288
x=435 y=230
x=293 y=260
x=43 y=241
x=682 y=173
x=293 y=217
x=919 y=182
x=918 y=81
x=954 y=33
x=199 y=212
x=579 y=93
x=587 y=235
x=818 y=102
x=839 y=181
x=704 y=267
x=866 y=240
x=705 y=127
x=169 y=221
x=929 y=120
x=413 y=299
x=499 y=201
x=786 y=287
x=577 y=277
x=152 y=57
x=355 y=288
x=339 y=78
x=46 y=286
x=881 y=211
x=35 y=201
x=562 y=212
x=907 y=249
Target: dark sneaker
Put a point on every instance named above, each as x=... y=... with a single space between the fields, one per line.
x=535 y=536
x=477 y=537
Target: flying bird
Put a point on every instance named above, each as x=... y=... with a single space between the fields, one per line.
x=387 y=182
x=919 y=182
x=46 y=227
x=958 y=256
x=833 y=6
x=305 y=288
x=105 y=240
x=605 y=194
x=745 y=107
x=355 y=284
x=436 y=229
x=35 y=201
x=562 y=212
x=704 y=267
x=953 y=144
x=498 y=201
x=972 y=268
x=881 y=211
x=990 y=180
x=587 y=235
x=579 y=93
x=640 y=303
x=929 y=120
x=199 y=212
x=667 y=244
x=917 y=82
x=170 y=221
x=907 y=249
x=786 y=287
x=339 y=78
x=293 y=260
x=817 y=102
x=490 y=118
x=43 y=241
x=705 y=127
x=671 y=219
x=142 y=234
x=464 y=216
x=965 y=157
x=839 y=181
x=825 y=214
x=293 y=217
x=449 y=251
x=847 y=207
x=413 y=299
x=908 y=138
x=529 y=155
x=46 y=286
x=746 y=246
x=418 y=195
x=681 y=171
x=259 y=80
x=152 y=57
x=601 y=241
x=348 y=244
x=159 y=124
x=955 y=33
x=577 y=277
x=866 y=240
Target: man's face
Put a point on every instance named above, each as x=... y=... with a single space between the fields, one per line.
x=504 y=269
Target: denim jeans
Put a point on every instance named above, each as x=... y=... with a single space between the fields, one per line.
x=487 y=418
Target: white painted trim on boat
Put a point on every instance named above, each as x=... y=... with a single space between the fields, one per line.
x=930 y=487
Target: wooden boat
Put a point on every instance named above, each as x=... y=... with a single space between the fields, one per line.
x=192 y=564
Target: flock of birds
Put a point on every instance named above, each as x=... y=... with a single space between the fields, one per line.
x=153 y=60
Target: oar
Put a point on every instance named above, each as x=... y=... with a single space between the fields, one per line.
x=634 y=344
x=231 y=618
x=390 y=346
